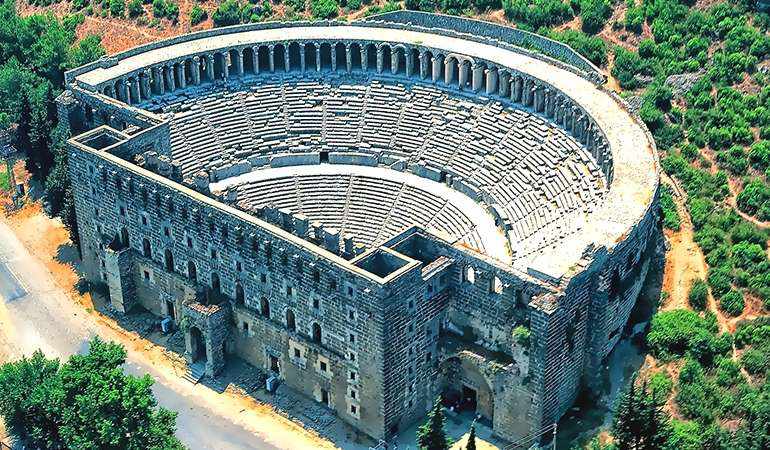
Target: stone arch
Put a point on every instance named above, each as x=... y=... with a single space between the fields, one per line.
x=263 y=58
x=398 y=59
x=414 y=57
x=189 y=68
x=168 y=260
x=451 y=69
x=279 y=58
x=355 y=56
x=233 y=55
x=124 y=238
x=311 y=63
x=192 y=271
x=248 y=60
x=291 y=320
x=197 y=345
x=216 y=284
x=340 y=56
x=146 y=248
x=326 y=56
x=219 y=63
x=387 y=59
x=465 y=385
x=371 y=57
x=295 y=60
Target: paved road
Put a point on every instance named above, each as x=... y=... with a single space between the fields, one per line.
x=36 y=313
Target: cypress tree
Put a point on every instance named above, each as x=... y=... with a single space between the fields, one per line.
x=640 y=422
x=431 y=435
x=472 y=438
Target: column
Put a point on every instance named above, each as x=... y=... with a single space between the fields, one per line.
x=463 y=72
x=395 y=60
x=491 y=81
x=134 y=87
x=317 y=57
x=170 y=83
x=302 y=58
x=255 y=59
x=225 y=66
x=144 y=80
x=239 y=62
x=196 y=70
x=528 y=92
x=272 y=58
x=122 y=91
x=423 y=65
x=478 y=77
x=348 y=58
x=516 y=89
x=539 y=98
x=448 y=72
x=364 y=58
x=409 y=63
x=181 y=75
x=549 y=101
x=333 y=54
x=157 y=79
x=210 y=67
x=286 y=61
x=436 y=68
x=504 y=81
x=380 y=59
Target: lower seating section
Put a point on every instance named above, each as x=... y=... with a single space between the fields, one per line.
x=535 y=175
x=370 y=209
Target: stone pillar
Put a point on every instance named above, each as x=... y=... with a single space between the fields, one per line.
x=157 y=80
x=170 y=83
x=348 y=58
x=409 y=63
x=436 y=69
x=333 y=55
x=539 y=99
x=448 y=72
x=302 y=59
x=286 y=61
x=239 y=62
x=364 y=58
x=465 y=71
x=122 y=91
x=181 y=75
x=528 y=92
x=144 y=84
x=255 y=59
x=516 y=89
x=272 y=58
x=490 y=81
x=477 y=77
x=504 y=81
x=118 y=267
x=395 y=61
x=550 y=99
x=225 y=66
x=133 y=91
x=210 y=67
x=380 y=58
x=423 y=65
x=196 y=70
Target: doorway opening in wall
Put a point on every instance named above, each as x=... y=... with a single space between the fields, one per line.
x=325 y=397
x=274 y=365
x=324 y=157
x=170 y=309
x=198 y=345
x=469 y=400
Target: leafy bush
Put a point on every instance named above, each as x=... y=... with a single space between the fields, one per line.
x=755 y=361
x=117 y=8
x=135 y=8
x=732 y=303
x=661 y=384
x=673 y=333
x=324 y=9
x=227 y=13
x=671 y=218
x=197 y=15
x=698 y=295
x=521 y=335
x=533 y=14
x=592 y=47
x=455 y=7
x=594 y=14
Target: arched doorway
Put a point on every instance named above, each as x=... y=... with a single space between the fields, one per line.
x=197 y=345
x=465 y=388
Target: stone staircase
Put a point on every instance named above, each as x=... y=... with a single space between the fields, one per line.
x=195 y=372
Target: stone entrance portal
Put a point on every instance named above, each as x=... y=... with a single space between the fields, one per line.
x=197 y=345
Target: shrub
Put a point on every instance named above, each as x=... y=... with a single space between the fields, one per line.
x=455 y=7
x=135 y=8
x=671 y=218
x=660 y=384
x=521 y=335
x=533 y=14
x=672 y=333
x=117 y=8
x=324 y=9
x=594 y=14
x=197 y=15
x=755 y=361
x=698 y=295
x=227 y=13
x=592 y=47
x=732 y=303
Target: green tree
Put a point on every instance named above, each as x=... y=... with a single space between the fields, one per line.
x=698 y=295
x=324 y=9
x=87 y=402
x=117 y=8
x=197 y=15
x=227 y=13
x=431 y=435
x=135 y=8
x=471 y=445
x=640 y=422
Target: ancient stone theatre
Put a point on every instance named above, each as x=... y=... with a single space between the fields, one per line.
x=374 y=212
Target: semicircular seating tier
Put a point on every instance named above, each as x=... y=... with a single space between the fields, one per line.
x=538 y=179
